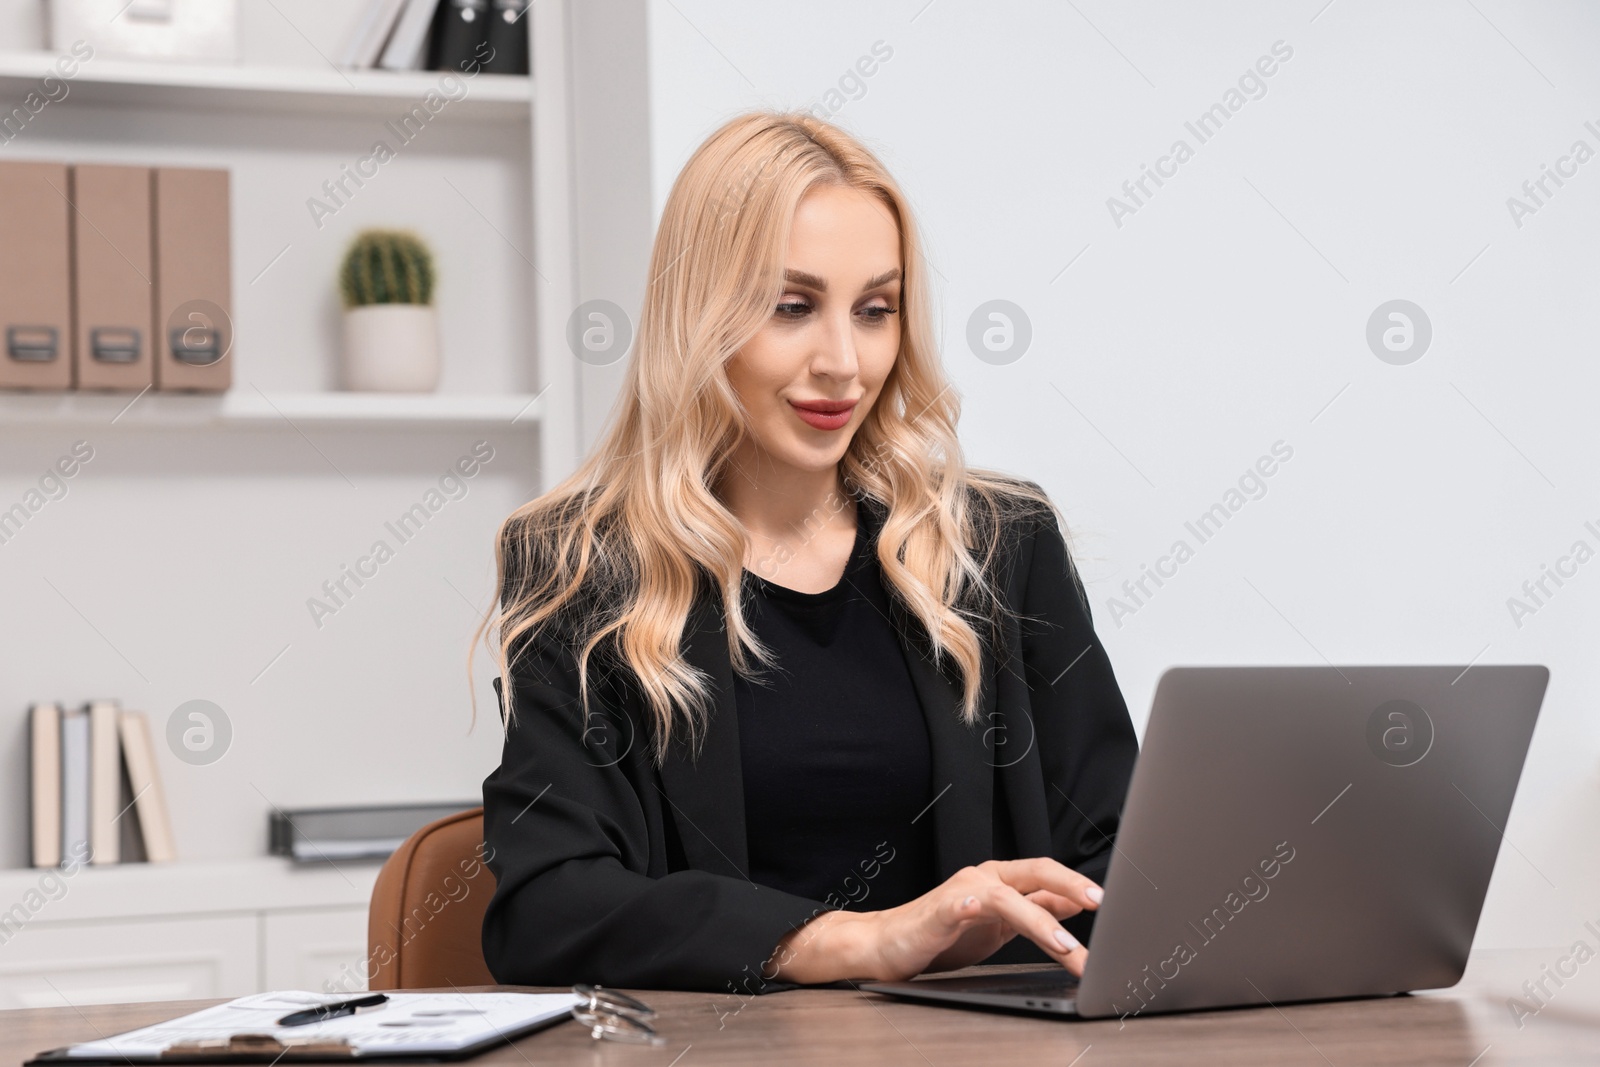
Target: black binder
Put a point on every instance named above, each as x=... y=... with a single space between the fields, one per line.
x=508 y=37
x=460 y=35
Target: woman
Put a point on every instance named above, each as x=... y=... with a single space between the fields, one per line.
x=791 y=694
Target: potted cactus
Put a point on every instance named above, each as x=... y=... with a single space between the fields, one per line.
x=391 y=334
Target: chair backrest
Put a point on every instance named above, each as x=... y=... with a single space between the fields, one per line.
x=425 y=924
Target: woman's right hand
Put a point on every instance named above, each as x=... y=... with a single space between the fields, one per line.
x=960 y=922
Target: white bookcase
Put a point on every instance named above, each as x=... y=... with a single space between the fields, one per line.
x=231 y=506
x=486 y=181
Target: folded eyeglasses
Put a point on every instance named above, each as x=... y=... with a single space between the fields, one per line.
x=615 y=1016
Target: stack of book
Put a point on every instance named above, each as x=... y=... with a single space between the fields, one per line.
x=456 y=35
x=95 y=785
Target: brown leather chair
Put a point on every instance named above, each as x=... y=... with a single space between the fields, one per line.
x=425 y=924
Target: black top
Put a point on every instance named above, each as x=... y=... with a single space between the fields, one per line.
x=833 y=744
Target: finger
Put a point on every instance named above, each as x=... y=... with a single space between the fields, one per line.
x=959 y=912
x=1043 y=872
x=960 y=915
x=1056 y=904
x=1036 y=924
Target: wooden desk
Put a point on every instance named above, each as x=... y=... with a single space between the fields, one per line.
x=1468 y=1026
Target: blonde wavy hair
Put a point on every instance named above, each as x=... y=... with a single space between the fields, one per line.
x=612 y=559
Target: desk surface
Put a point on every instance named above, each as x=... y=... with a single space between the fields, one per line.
x=1470 y=1025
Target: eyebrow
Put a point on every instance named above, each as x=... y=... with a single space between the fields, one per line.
x=800 y=277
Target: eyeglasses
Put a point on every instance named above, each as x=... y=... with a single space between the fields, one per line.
x=609 y=1014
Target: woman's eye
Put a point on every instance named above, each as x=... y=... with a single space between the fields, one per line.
x=793 y=309
x=878 y=313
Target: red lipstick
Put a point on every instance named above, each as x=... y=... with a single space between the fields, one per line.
x=824 y=414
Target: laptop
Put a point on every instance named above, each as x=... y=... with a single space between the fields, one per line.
x=1293 y=834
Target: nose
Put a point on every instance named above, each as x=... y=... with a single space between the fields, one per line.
x=835 y=353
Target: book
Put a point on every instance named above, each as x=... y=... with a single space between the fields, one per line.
x=75 y=783
x=105 y=783
x=372 y=32
x=45 y=779
x=405 y=50
x=144 y=778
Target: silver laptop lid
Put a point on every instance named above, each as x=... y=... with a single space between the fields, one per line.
x=1298 y=833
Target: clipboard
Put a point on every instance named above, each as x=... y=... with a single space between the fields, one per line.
x=411 y=1027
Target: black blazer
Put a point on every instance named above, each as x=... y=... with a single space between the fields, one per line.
x=611 y=871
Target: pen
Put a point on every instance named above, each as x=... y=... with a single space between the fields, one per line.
x=323 y=1012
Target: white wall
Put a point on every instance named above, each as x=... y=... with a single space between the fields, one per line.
x=614 y=219
x=1230 y=309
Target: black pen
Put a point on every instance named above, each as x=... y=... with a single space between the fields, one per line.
x=323 y=1012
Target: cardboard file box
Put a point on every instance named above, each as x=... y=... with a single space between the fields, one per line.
x=35 y=303
x=113 y=278
x=193 y=281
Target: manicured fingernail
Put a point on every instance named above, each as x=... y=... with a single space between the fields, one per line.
x=1066 y=940
x=969 y=902
x=1095 y=893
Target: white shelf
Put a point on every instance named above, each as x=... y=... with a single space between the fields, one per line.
x=298 y=90
x=247 y=407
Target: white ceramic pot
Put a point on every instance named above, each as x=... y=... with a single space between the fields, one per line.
x=391 y=348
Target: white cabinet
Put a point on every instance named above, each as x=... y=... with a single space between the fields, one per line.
x=56 y=965
x=318 y=950
x=181 y=931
